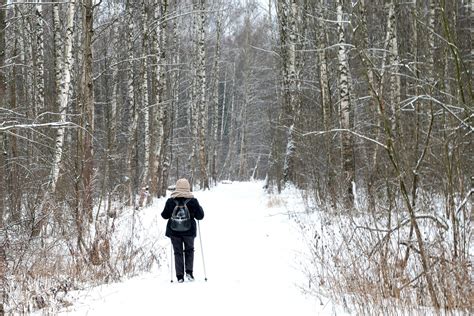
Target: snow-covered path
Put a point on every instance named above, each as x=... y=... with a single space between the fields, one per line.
x=251 y=262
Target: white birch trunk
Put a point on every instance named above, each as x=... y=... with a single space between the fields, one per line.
x=323 y=73
x=165 y=141
x=223 y=114
x=159 y=99
x=154 y=111
x=394 y=66
x=346 y=140
x=201 y=77
x=292 y=72
x=39 y=102
x=326 y=105
x=145 y=103
x=3 y=93
x=58 y=56
x=27 y=57
x=112 y=118
x=64 y=93
x=215 y=102
x=132 y=127
x=175 y=75
x=431 y=40
x=161 y=154
x=293 y=106
x=115 y=81
x=88 y=103
x=243 y=128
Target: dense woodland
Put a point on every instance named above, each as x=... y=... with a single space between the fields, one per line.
x=367 y=106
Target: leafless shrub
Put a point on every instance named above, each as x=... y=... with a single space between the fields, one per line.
x=374 y=265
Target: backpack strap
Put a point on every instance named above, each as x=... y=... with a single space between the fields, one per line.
x=184 y=204
x=176 y=207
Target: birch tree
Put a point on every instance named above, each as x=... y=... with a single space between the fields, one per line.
x=161 y=93
x=215 y=99
x=64 y=91
x=345 y=108
x=88 y=108
x=201 y=94
x=132 y=110
x=326 y=102
x=113 y=118
x=144 y=94
x=165 y=107
x=10 y=144
x=39 y=101
x=58 y=56
x=3 y=91
x=287 y=26
x=393 y=62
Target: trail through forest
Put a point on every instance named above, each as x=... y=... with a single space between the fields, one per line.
x=251 y=254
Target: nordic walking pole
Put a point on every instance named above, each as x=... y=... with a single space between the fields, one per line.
x=171 y=263
x=202 y=252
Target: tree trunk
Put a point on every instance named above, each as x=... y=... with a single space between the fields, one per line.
x=202 y=108
x=164 y=106
x=345 y=111
x=113 y=117
x=288 y=17
x=228 y=161
x=3 y=93
x=3 y=152
x=13 y=180
x=394 y=99
x=145 y=103
x=132 y=111
x=326 y=103
x=39 y=102
x=157 y=181
x=215 y=101
x=88 y=110
x=65 y=84
x=58 y=61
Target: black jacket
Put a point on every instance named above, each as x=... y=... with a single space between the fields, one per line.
x=195 y=210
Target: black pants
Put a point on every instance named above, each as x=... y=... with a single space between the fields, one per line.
x=183 y=256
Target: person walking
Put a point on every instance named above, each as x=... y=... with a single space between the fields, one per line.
x=181 y=210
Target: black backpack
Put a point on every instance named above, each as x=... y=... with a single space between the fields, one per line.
x=181 y=218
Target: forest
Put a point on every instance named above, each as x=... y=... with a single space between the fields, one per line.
x=365 y=106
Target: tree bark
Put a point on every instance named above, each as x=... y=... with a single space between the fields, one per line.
x=161 y=92
x=58 y=62
x=326 y=103
x=393 y=62
x=215 y=101
x=63 y=96
x=345 y=110
x=3 y=93
x=145 y=103
x=88 y=104
x=288 y=15
x=132 y=110
x=3 y=90
x=39 y=102
x=202 y=108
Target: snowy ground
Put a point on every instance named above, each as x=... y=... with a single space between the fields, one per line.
x=252 y=253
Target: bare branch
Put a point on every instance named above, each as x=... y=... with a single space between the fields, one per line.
x=51 y=124
x=317 y=133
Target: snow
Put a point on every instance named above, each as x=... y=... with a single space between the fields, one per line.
x=252 y=253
